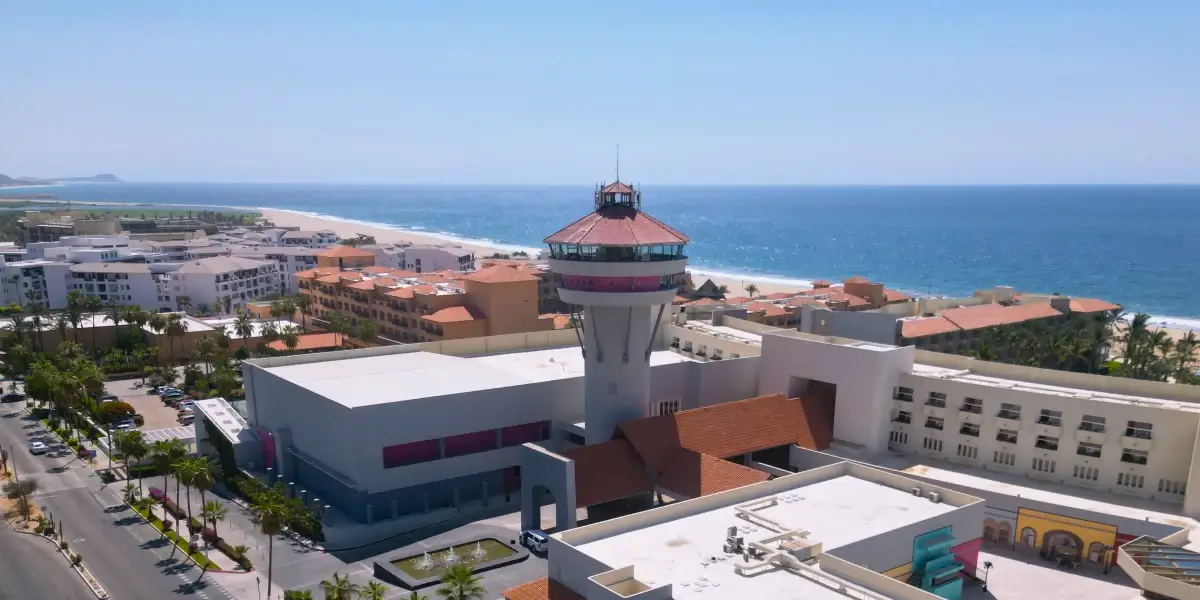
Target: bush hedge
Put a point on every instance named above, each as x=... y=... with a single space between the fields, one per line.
x=301 y=520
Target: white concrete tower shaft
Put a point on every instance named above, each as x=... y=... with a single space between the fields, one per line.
x=622 y=268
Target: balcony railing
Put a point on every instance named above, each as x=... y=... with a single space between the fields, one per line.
x=1092 y=427
x=1133 y=458
x=1044 y=445
x=1006 y=438
x=1008 y=414
x=971 y=431
x=972 y=408
x=1141 y=434
x=1052 y=421
x=1088 y=452
x=902 y=419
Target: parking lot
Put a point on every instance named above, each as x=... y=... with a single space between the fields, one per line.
x=146 y=403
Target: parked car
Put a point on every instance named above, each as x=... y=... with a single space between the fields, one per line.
x=126 y=424
x=12 y=397
x=187 y=405
x=38 y=448
x=167 y=391
x=534 y=539
x=108 y=398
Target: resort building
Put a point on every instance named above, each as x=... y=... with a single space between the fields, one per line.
x=387 y=255
x=425 y=258
x=24 y=282
x=219 y=284
x=409 y=307
x=292 y=260
x=309 y=239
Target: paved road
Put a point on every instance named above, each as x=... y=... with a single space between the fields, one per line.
x=124 y=554
x=33 y=569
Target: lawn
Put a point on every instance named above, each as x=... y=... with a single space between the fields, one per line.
x=464 y=553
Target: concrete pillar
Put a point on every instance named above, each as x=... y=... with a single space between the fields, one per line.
x=426 y=499
x=485 y=494
x=370 y=514
x=456 y=505
x=442 y=447
x=395 y=509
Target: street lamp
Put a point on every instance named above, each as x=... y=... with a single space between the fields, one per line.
x=987 y=567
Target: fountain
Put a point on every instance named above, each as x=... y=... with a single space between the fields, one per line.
x=425 y=563
x=478 y=553
x=450 y=558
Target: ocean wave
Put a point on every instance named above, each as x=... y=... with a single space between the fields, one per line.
x=1172 y=322
x=748 y=277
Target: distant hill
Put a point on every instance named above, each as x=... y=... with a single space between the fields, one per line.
x=6 y=181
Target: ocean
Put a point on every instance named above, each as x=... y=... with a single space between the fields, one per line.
x=1134 y=245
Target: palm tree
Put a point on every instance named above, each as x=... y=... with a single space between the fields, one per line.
x=166 y=454
x=415 y=596
x=368 y=331
x=752 y=290
x=224 y=381
x=205 y=348
x=93 y=306
x=37 y=310
x=304 y=303
x=185 y=472
x=460 y=583
x=203 y=477
x=290 y=337
x=61 y=324
x=271 y=514
x=297 y=595
x=176 y=328
x=269 y=332
x=340 y=588
x=214 y=512
x=373 y=591
x=130 y=493
x=132 y=446
x=75 y=311
x=183 y=303
x=243 y=326
x=115 y=313
x=339 y=324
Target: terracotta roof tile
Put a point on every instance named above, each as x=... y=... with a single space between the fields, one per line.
x=1089 y=305
x=617 y=225
x=895 y=295
x=561 y=321
x=739 y=300
x=779 y=296
x=499 y=274
x=454 y=314
x=694 y=474
x=608 y=471
x=313 y=273
x=802 y=300
x=376 y=270
x=404 y=293
x=857 y=279
x=822 y=282
x=541 y=589
x=769 y=310
x=680 y=300
x=366 y=285
x=702 y=302
x=916 y=328
x=343 y=251
x=991 y=315
x=616 y=187
x=401 y=273
x=334 y=278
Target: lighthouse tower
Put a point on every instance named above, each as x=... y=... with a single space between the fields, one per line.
x=622 y=267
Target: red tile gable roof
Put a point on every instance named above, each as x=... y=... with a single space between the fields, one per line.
x=916 y=328
x=312 y=341
x=608 y=471
x=616 y=187
x=375 y=270
x=499 y=274
x=366 y=285
x=343 y=251
x=1089 y=305
x=895 y=295
x=694 y=474
x=401 y=273
x=991 y=315
x=617 y=225
x=454 y=314
x=541 y=589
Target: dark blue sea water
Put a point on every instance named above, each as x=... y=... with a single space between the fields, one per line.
x=1136 y=245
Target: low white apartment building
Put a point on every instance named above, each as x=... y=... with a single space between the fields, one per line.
x=423 y=258
x=310 y=239
x=95 y=248
x=24 y=282
x=219 y=284
x=291 y=260
x=387 y=255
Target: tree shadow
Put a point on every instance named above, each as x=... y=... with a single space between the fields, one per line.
x=166 y=562
x=127 y=521
x=158 y=543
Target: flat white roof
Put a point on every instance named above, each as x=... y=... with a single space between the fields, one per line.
x=367 y=381
x=723 y=332
x=835 y=512
x=219 y=412
x=966 y=376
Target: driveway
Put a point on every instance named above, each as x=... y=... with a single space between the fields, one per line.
x=146 y=403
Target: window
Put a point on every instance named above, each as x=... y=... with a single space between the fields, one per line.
x=527 y=433
x=967 y=451
x=1088 y=473
x=933 y=444
x=1007 y=436
x=935 y=423
x=1004 y=458
x=470 y=443
x=1130 y=480
x=1010 y=411
x=898 y=437
x=1050 y=417
x=937 y=399
x=970 y=429
x=1044 y=465
x=1137 y=457
x=667 y=407
x=903 y=394
x=1092 y=423
x=972 y=405
x=1088 y=449
x=411 y=453
x=1139 y=430
x=903 y=416
x=1172 y=487
x=687 y=346
x=1046 y=442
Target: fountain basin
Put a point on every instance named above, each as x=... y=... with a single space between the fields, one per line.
x=407 y=569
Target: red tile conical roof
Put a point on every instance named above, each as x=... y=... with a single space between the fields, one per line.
x=617 y=225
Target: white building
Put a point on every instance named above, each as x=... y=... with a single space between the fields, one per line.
x=42 y=281
x=310 y=239
x=219 y=283
x=387 y=255
x=94 y=248
x=424 y=258
x=291 y=260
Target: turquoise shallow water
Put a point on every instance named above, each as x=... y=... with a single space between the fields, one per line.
x=1136 y=245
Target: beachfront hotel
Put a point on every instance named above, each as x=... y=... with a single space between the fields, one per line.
x=905 y=464
x=410 y=307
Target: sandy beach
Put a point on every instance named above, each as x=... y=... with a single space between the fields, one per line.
x=384 y=235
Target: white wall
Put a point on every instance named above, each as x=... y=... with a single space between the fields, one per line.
x=864 y=379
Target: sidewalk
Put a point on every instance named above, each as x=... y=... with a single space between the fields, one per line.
x=218 y=558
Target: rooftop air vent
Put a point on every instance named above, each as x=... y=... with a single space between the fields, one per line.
x=916 y=491
x=935 y=497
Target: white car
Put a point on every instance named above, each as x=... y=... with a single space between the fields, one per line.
x=534 y=539
x=38 y=448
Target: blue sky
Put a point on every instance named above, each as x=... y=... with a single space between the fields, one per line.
x=541 y=92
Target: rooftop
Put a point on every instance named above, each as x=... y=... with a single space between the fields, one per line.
x=343 y=251
x=227 y=420
x=675 y=547
x=367 y=381
x=221 y=264
x=617 y=225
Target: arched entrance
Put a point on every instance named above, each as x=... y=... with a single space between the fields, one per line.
x=1029 y=538
x=547 y=479
x=543 y=497
x=1004 y=533
x=1095 y=553
x=1062 y=544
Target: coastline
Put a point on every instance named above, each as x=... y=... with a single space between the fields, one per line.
x=386 y=234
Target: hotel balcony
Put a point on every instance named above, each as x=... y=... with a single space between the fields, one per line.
x=934 y=410
x=1136 y=441
x=970 y=416
x=1048 y=427
x=1007 y=421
